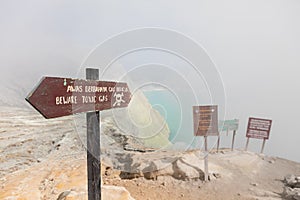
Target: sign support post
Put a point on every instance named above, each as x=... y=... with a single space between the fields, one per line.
x=263 y=146
x=206 y=159
x=247 y=144
x=93 y=147
x=233 y=136
x=218 y=143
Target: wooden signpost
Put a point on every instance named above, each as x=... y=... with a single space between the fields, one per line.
x=205 y=124
x=259 y=129
x=56 y=97
x=230 y=125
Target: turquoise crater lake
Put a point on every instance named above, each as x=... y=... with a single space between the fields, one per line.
x=168 y=106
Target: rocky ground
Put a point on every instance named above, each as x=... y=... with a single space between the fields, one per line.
x=292 y=187
x=46 y=159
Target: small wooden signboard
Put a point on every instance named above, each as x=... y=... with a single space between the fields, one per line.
x=259 y=129
x=205 y=120
x=205 y=124
x=57 y=97
x=230 y=125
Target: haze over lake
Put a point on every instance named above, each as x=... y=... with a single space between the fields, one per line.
x=254 y=44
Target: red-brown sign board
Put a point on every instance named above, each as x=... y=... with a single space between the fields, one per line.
x=57 y=97
x=258 y=128
x=205 y=120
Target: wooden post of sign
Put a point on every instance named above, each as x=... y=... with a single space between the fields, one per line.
x=218 y=144
x=263 y=146
x=233 y=136
x=206 y=159
x=247 y=144
x=93 y=147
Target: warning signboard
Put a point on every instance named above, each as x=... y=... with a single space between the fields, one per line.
x=56 y=97
x=258 y=128
x=205 y=120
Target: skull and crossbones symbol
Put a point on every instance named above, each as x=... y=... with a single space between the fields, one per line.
x=119 y=99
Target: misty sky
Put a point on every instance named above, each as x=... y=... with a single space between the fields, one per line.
x=255 y=45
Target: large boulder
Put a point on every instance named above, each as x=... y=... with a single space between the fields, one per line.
x=292 y=181
x=181 y=166
x=291 y=194
x=292 y=187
